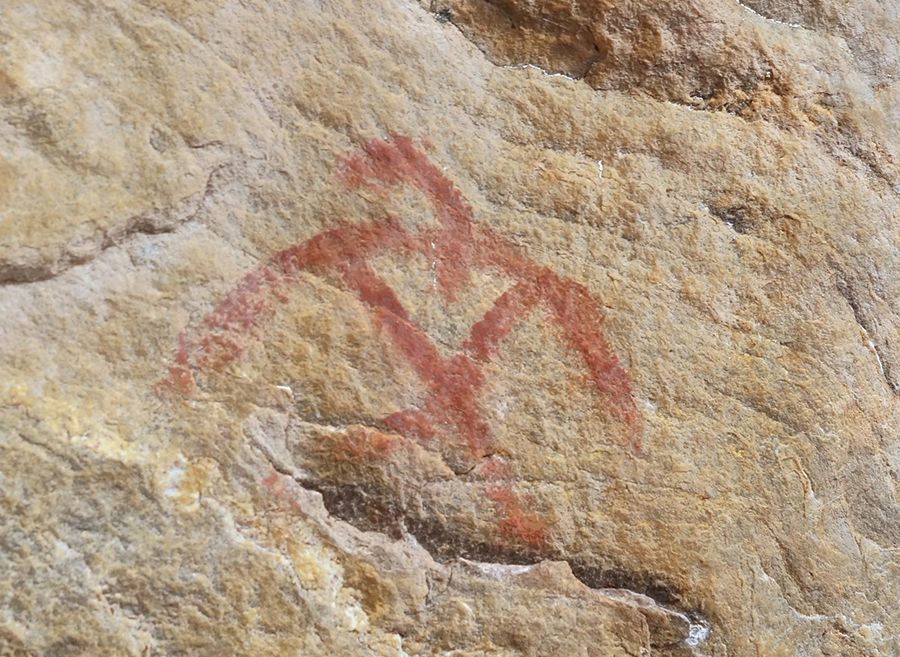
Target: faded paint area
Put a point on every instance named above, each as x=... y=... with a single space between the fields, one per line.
x=450 y=411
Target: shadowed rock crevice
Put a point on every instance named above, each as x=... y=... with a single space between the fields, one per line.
x=571 y=48
x=617 y=46
x=716 y=57
x=863 y=317
x=674 y=627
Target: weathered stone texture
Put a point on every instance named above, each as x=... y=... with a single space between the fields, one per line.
x=452 y=327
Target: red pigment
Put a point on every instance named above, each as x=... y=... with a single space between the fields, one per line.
x=276 y=485
x=364 y=445
x=450 y=410
x=515 y=522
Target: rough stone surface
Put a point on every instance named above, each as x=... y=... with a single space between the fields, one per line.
x=464 y=327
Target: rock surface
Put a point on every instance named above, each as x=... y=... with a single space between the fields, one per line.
x=464 y=327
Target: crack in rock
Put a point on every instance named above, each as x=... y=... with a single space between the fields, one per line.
x=767 y=18
x=671 y=626
x=861 y=316
x=153 y=222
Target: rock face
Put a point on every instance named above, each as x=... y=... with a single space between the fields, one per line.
x=465 y=327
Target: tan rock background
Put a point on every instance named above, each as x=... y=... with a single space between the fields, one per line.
x=719 y=178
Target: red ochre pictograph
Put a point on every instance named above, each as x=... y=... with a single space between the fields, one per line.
x=450 y=411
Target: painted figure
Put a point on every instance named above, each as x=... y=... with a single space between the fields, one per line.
x=450 y=412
